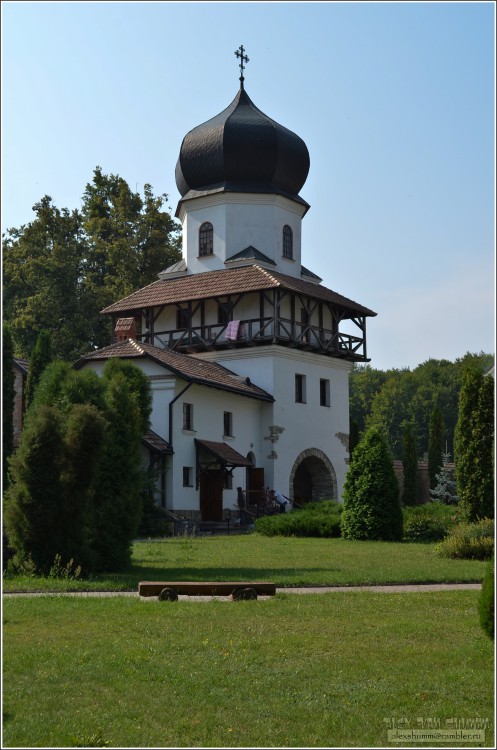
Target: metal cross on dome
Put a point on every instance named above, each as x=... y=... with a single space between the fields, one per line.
x=243 y=58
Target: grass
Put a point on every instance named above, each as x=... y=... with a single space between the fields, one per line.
x=327 y=670
x=286 y=561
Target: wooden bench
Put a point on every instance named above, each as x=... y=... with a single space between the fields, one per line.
x=206 y=588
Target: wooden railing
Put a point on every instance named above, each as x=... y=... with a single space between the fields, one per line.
x=259 y=330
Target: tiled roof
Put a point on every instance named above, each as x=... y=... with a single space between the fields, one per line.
x=155 y=443
x=225 y=453
x=250 y=253
x=229 y=281
x=189 y=368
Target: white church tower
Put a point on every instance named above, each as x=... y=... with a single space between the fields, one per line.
x=240 y=298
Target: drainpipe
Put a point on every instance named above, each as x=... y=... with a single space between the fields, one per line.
x=171 y=411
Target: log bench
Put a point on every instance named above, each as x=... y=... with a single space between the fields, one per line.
x=235 y=589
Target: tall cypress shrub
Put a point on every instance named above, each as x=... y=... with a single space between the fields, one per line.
x=84 y=430
x=371 y=505
x=484 y=439
x=410 y=466
x=41 y=356
x=474 y=443
x=120 y=477
x=436 y=445
x=34 y=501
x=8 y=393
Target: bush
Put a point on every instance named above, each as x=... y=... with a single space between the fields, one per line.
x=486 y=601
x=154 y=521
x=321 y=519
x=371 y=505
x=471 y=541
x=429 y=522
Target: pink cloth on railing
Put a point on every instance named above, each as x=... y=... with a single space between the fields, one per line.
x=232 y=328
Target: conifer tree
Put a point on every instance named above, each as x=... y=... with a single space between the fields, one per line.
x=41 y=356
x=34 y=500
x=371 y=506
x=474 y=444
x=8 y=394
x=410 y=466
x=48 y=502
x=445 y=486
x=436 y=438
x=84 y=430
x=120 y=478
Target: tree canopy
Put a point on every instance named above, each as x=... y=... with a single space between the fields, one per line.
x=388 y=399
x=64 y=267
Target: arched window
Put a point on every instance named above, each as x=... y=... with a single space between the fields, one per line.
x=206 y=239
x=287 y=242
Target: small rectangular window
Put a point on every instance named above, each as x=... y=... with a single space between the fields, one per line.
x=228 y=480
x=324 y=392
x=187 y=476
x=228 y=423
x=300 y=389
x=182 y=317
x=188 y=416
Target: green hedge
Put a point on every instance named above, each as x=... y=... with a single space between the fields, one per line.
x=429 y=522
x=321 y=519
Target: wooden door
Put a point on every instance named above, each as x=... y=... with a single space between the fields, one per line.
x=255 y=485
x=211 y=495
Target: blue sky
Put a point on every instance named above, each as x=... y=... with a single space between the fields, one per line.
x=395 y=101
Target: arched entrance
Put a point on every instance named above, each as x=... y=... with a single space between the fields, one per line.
x=313 y=477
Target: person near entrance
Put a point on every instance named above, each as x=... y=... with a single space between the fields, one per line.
x=282 y=500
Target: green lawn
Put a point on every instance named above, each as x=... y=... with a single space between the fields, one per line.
x=328 y=670
x=286 y=561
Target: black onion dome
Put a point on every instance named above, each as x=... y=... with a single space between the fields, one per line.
x=242 y=150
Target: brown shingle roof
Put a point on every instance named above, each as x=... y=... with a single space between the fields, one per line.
x=225 y=453
x=189 y=368
x=155 y=443
x=229 y=281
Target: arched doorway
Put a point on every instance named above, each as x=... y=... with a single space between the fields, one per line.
x=313 y=477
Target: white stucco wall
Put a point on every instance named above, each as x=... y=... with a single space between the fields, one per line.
x=240 y=220
x=209 y=405
x=303 y=426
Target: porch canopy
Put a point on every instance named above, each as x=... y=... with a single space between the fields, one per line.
x=224 y=454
